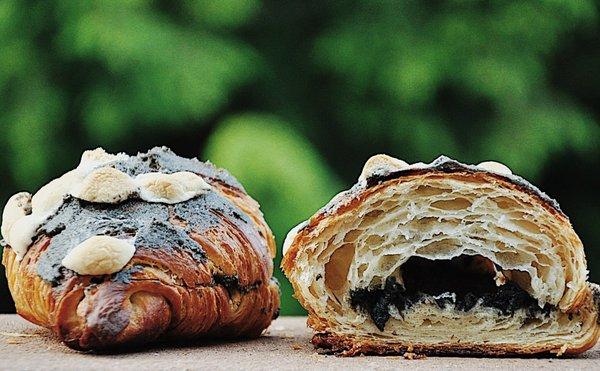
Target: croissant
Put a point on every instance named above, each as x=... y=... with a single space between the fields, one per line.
x=442 y=258
x=126 y=250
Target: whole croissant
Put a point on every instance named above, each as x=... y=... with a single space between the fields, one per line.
x=127 y=250
x=443 y=258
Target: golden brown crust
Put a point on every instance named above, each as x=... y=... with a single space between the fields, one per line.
x=346 y=346
x=248 y=205
x=163 y=293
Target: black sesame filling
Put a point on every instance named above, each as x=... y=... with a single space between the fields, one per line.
x=464 y=281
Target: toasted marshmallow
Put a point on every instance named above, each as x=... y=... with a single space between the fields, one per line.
x=495 y=167
x=500 y=278
x=98 y=157
x=51 y=196
x=106 y=185
x=381 y=164
x=170 y=188
x=22 y=232
x=99 y=255
x=17 y=207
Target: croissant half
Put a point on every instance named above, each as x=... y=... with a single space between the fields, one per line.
x=126 y=250
x=442 y=258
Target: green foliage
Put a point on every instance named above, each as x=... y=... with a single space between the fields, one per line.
x=278 y=167
x=393 y=63
x=112 y=66
x=223 y=13
x=334 y=82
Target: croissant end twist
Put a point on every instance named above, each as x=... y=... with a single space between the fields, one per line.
x=127 y=250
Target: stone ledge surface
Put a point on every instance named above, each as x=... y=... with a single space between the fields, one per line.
x=285 y=345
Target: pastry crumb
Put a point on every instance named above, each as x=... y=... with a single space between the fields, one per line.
x=412 y=356
x=296 y=346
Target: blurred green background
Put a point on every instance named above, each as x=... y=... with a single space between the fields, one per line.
x=293 y=96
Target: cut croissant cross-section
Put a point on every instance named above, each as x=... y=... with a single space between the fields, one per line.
x=443 y=258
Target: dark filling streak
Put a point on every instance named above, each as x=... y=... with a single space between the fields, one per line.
x=232 y=283
x=596 y=298
x=277 y=310
x=276 y=313
x=424 y=279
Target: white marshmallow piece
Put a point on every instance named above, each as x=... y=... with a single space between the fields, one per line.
x=50 y=196
x=99 y=255
x=381 y=164
x=500 y=278
x=17 y=207
x=98 y=157
x=170 y=188
x=22 y=232
x=105 y=185
x=495 y=167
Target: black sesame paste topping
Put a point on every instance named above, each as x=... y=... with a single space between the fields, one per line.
x=209 y=210
x=163 y=160
x=77 y=220
x=441 y=284
x=147 y=224
x=205 y=211
x=124 y=276
x=160 y=235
